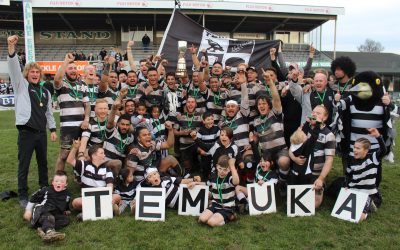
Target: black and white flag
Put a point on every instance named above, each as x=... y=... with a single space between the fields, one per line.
x=230 y=52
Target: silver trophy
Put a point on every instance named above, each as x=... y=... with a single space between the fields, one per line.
x=181 y=65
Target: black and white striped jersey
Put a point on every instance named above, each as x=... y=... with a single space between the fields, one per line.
x=116 y=144
x=71 y=99
x=88 y=175
x=240 y=128
x=269 y=130
x=222 y=190
x=145 y=159
x=96 y=132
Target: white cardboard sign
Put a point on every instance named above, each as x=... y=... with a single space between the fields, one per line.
x=300 y=200
x=150 y=204
x=192 y=201
x=349 y=205
x=261 y=198
x=97 y=203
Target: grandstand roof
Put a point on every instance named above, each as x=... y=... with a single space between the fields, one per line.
x=220 y=16
x=384 y=63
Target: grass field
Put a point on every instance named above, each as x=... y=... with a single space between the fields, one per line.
x=380 y=231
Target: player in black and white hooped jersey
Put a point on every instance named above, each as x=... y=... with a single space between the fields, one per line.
x=74 y=104
x=222 y=189
x=144 y=153
x=118 y=136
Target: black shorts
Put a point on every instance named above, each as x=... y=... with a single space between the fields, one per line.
x=227 y=213
x=189 y=153
x=68 y=135
x=307 y=179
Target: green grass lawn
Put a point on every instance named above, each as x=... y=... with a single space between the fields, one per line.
x=380 y=231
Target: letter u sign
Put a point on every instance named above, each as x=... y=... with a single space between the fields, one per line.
x=261 y=198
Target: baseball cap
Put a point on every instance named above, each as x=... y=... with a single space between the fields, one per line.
x=251 y=68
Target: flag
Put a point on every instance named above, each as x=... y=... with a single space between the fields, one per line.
x=230 y=52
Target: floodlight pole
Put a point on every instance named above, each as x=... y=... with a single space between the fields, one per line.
x=334 y=40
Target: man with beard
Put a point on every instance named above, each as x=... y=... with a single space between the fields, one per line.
x=237 y=120
x=135 y=90
x=74 y=104
x=187 y=122
x=174 y=96
x=196 y=92
x=118 y=138
x=33 y=109
x=216 y=97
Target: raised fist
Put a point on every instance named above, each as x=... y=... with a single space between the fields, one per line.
x=12 y=40
x=69 y=58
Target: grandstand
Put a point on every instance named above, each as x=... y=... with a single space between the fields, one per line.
x=289 y=23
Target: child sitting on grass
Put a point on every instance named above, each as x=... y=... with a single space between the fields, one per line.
x=362 y=170
x=264 y=173
x=91 y=174
x=126 y=188
x=48 y=208
x=222 y=187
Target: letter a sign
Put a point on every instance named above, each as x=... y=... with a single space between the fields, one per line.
x=261 y=198
x=349 y=205
x=300 y=200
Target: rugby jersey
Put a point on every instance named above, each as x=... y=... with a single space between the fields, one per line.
x=155 y=97
x=208 y=135
x=200 y=100
x=93 y=94
x=171 y=185
x=361 y=120
x=135 y=93
x=147 y=158
x=127 y=193
x=187 y=122
x=115 y=147
x=158 y=125
x=222 y=190
x=96 y=132
x=215 y=103
x=324 y=146
x=71 y=99
x=361 y=174
x=269 y=176
x=240 y=128
x=88 y=175
x=269 y=130
x=173 y=100
x=218 y=150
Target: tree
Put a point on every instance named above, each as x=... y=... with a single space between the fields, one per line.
x=371 y=46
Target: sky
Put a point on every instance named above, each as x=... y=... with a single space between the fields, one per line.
x=377 y=20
